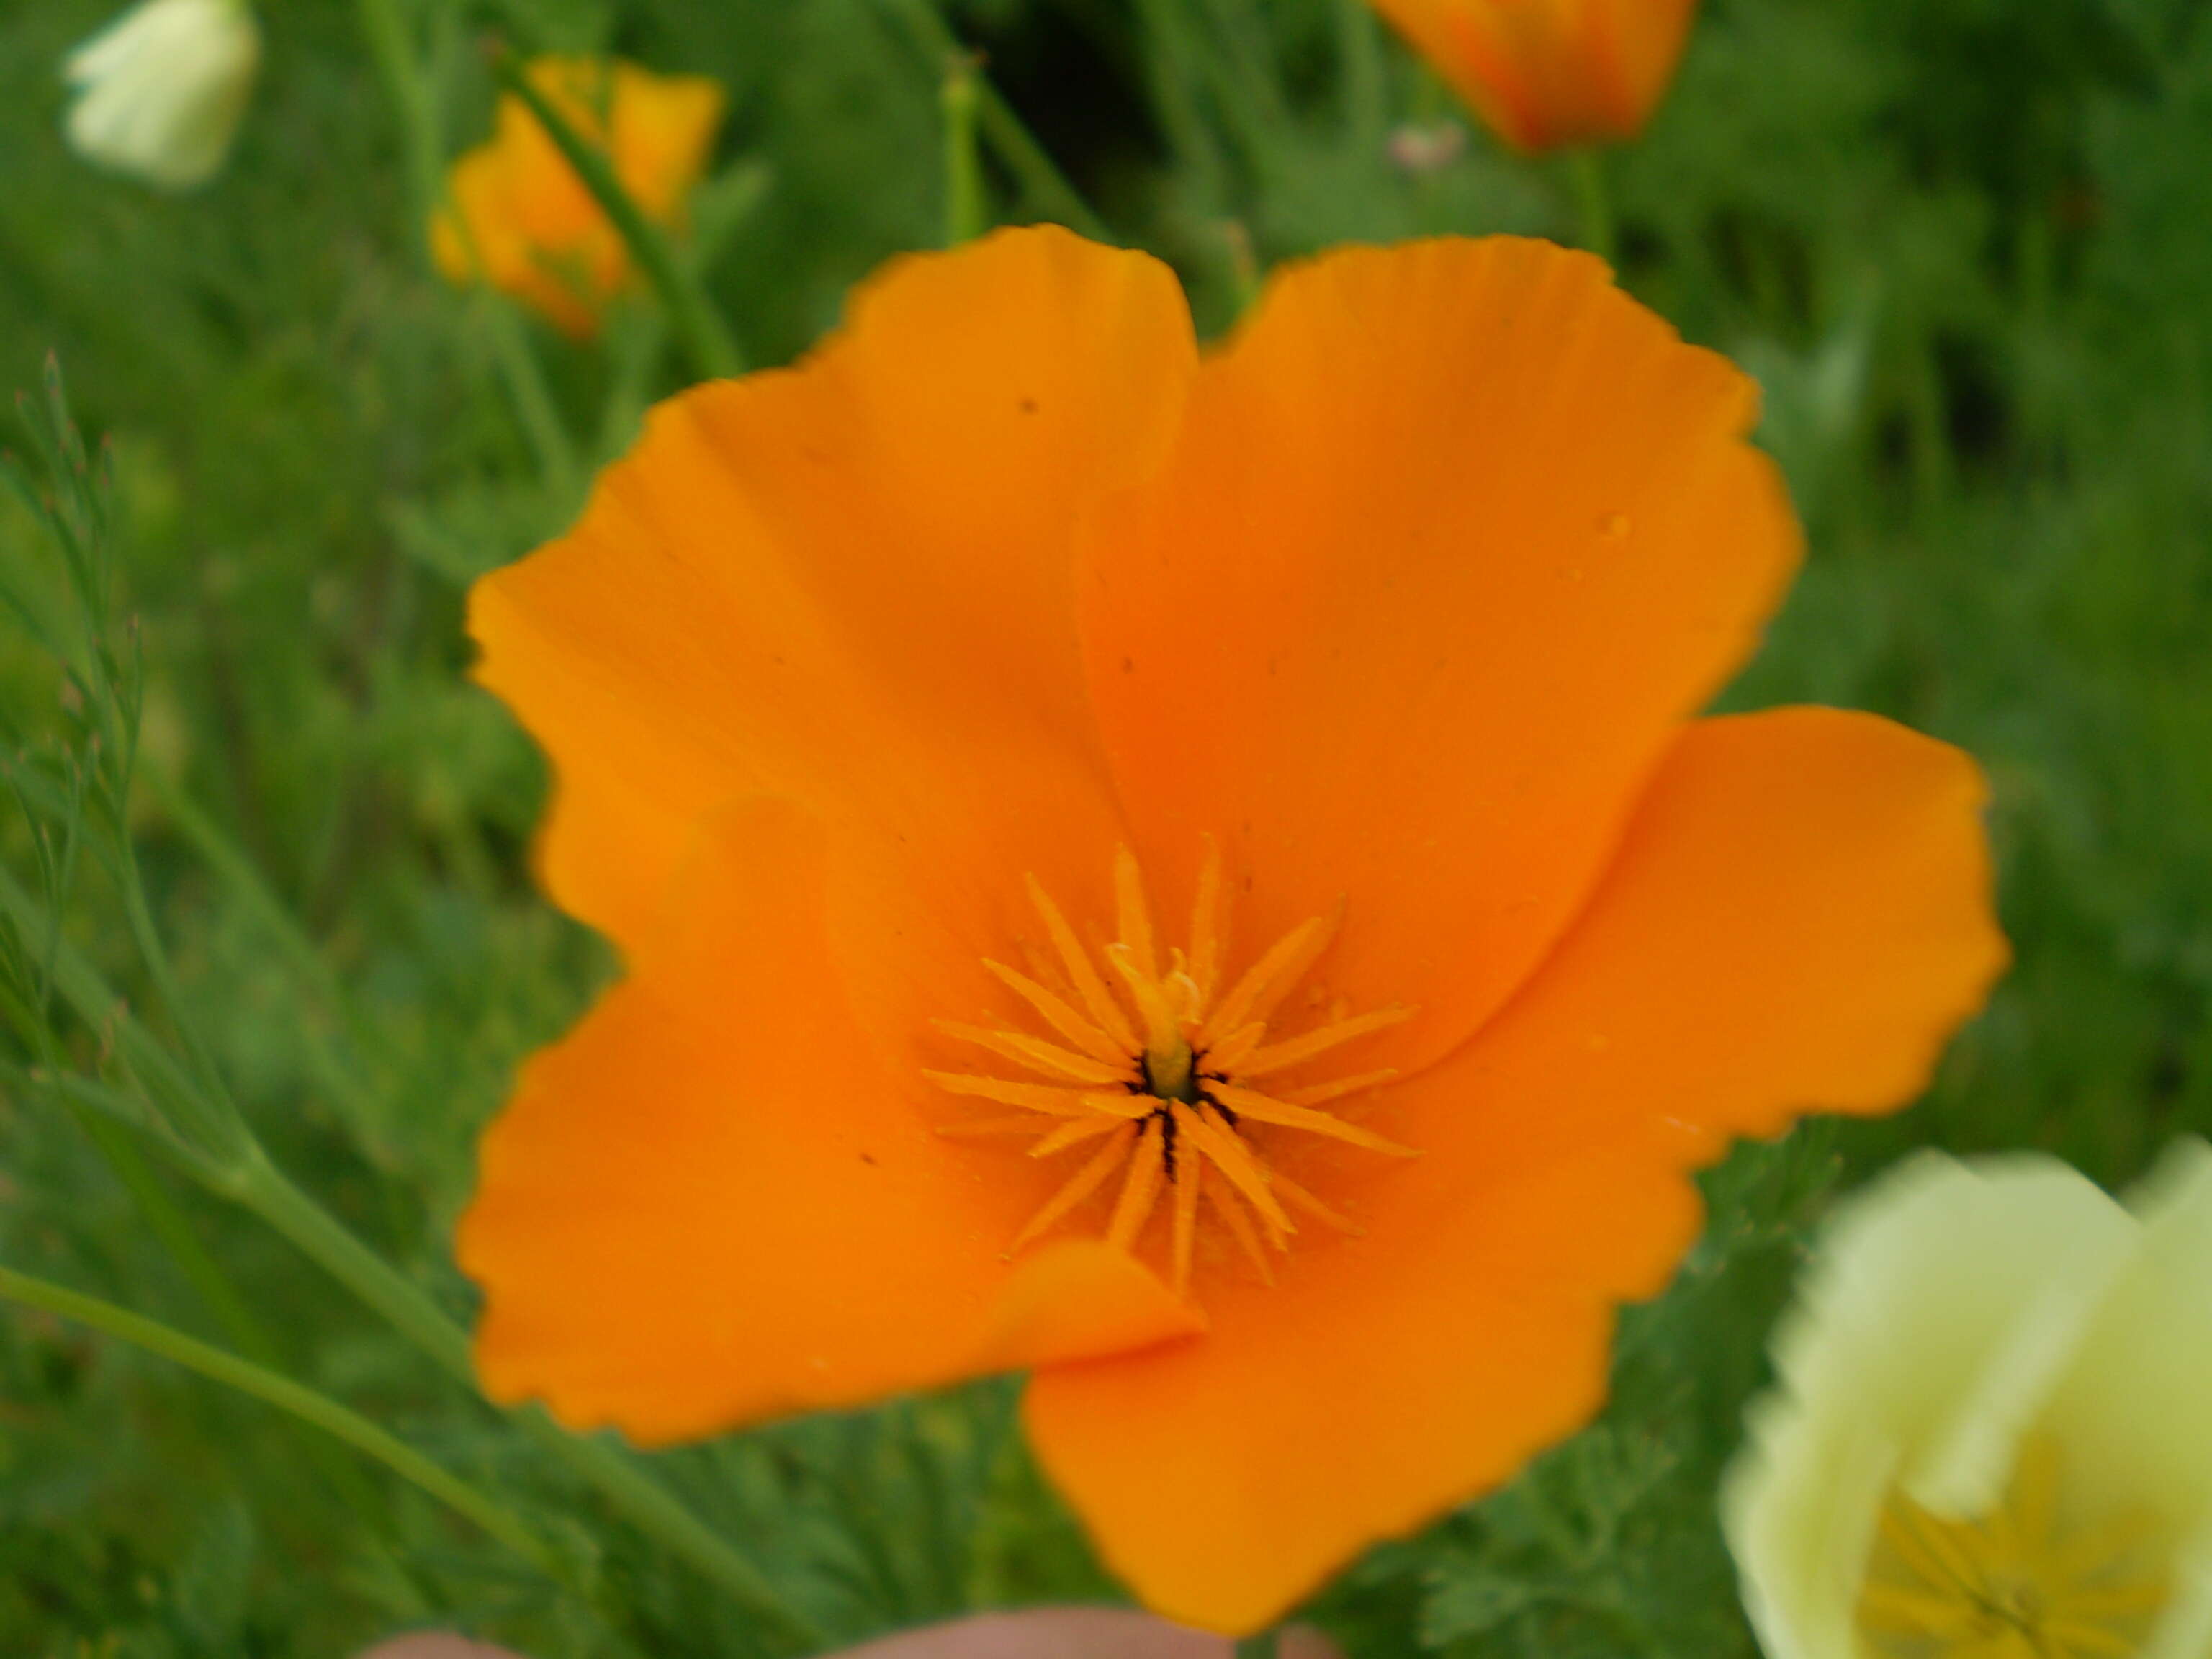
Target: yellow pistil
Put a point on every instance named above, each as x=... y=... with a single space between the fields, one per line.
x=2016 y=1584
x=1158 y=1081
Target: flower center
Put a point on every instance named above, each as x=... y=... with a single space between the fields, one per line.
x=2016 y=1584
x=1155 y=1071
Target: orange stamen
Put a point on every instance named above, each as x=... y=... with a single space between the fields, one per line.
x=1337 y=1090
x=1225 y=1056
x=1168 y=1103
x=1073 y=1133
x=1230 y=1156
x=1138 y=1188
x=1036 y=1096
x=1277 y=1055
x=1080 y=1185
x=1299 y=1198
x=1267 y=980
x=1119 y=1103
x=1190 y=1171
x=1134 y=915
x=1021 y=1123
x=1262 y=1109
x=1080 y=972
x=1056 y=1013
x=1232 y=1211
x=1046 y=1059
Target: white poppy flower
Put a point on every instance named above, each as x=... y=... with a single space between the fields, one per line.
x=1992 y=1437
x=160 y=91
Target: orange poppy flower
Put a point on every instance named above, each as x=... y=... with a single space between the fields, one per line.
x=1548 y=73
x=518 y=213
x=905 y=705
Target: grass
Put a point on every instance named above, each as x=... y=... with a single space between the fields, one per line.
x=1964 y=245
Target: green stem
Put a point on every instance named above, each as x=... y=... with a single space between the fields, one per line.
x=634 y=353
x=541 y=423
x=965 y=216
x=239 y=873
x=1172 y=60
x=1262 y=1646
x=410 y=1310
x=417 y=111
x=285 y=1395
x=653 y=1509
x=1041 y=181
x=706 y=339
x=241 y=1171
x=1364 y=91
x=122 y=1107
x=1594 y=201
x=1244 y=272
x=1247 y=78
x=210 y=1283
x=356 y=1101
x=228 y=1134
x=208 y=1280
x=649 y=1505
x=1927 y=426
x=387 y=33
x=210 y=1144
x=268 y=1193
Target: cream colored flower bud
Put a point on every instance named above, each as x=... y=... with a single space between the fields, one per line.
x=1992 y=1436
x=160 y=91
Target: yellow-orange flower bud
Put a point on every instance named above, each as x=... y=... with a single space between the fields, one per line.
x=517 y=214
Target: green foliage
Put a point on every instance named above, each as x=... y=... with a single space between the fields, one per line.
x=1965 y=248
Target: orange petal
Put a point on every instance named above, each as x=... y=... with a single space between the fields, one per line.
x=1375 y=1384
x=1798 y=917
x=1079 y=1297
x=850 y=584
x=713 y=1202
x=1545 y=73
x=664 y=129
x=1457 y=537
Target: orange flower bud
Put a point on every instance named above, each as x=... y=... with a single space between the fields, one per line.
x=1549 y=73
x=517 y=216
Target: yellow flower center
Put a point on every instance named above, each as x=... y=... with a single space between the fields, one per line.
x=1154 y=1068
x=2019 y=1583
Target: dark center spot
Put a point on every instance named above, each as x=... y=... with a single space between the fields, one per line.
x=1187 y=1092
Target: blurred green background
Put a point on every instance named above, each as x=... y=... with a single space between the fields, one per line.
x=1966 y=246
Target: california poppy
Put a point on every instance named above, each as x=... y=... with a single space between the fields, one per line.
x=1990 y=1436
x=904 y=705
x=1548 y=73
x=518 y=216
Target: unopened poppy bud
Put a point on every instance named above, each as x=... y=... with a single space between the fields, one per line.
x=1549 y=73
x=517 y=216
x=160 y=90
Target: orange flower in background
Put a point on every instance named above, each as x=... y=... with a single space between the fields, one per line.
x=1549 y=73
x=1194 y=877
x=518 y=214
